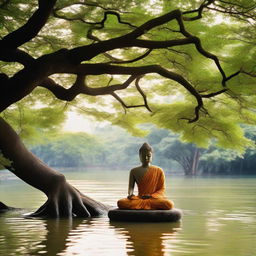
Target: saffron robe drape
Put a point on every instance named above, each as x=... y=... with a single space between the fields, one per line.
x=153 y=184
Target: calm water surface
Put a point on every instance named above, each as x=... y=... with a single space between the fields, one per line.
x=219 y=219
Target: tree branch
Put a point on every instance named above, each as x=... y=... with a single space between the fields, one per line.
x=79 y=54
x=142 y=94
x=202 y=51
x=16 y=55
x=210 y=95
x=61 y=92
x=123 y=103
x=29 y=30
x=79 y=87
x=99 y=24
x=98 y=69
x=119 y=61
x=68 y=61
x=248 y=73
x=199 y=11
x=235 y=10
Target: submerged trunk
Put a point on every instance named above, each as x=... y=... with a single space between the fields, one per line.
x=63 y=199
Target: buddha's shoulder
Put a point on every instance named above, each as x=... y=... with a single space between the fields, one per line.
x=156 y=167
x=135 y=169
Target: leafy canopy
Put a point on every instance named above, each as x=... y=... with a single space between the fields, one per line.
x=183 y=88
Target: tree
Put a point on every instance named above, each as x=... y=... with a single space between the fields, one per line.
x=218 y=161
x=186 y=154
x=225 y=161
x=70 y=150
x=106 y=49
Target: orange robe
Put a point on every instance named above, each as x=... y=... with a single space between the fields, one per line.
x=152 y=183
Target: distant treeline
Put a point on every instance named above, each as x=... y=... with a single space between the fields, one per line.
x=112 y=147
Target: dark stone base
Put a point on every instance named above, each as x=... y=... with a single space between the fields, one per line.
x=173 y=215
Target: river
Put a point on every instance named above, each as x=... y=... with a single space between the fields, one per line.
x=219 y=219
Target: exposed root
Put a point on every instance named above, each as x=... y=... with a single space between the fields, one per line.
x=4 y=207
x=67 y=201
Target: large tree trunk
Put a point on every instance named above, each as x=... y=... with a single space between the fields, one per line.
x=63 y=199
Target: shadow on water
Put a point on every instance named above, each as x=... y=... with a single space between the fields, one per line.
x=151 y=239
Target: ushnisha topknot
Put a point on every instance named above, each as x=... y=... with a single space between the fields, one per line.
x=145 y=147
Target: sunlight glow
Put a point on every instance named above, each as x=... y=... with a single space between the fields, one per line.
x=80 y=123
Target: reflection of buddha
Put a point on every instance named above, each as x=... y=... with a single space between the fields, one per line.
x=146 y=239
x=151 y=185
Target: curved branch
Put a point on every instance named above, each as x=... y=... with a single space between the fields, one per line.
x=142 y=94
x=210 y=95
x=29 y=30
x=67 y=61
x=201 y=50
x=163 y=44
x=236 y=10
x=56 y=15
x=233 y=75
x=118 y=61
x=108 y=89
x=123 y=103
x=251 y=74
x=79 y=87
x=118 y=18
x=16 y=55
x=125 y=106
x=199 y=11
x=99 y=69
x=100 y=23
x=79 y=54
x=61 y=92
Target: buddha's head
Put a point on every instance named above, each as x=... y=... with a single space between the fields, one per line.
x=145 y=153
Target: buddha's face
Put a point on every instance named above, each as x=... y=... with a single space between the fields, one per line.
x=146 y=157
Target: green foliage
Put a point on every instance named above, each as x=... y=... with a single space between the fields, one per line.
x=113 y=147
x=222 y=34
x=30 y=118
x=69 y=149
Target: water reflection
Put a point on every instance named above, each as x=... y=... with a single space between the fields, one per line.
x=97 y=236
x=219 y=219
x=56 y=238
x=151 y=239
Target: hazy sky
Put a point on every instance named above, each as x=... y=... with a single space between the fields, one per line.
x=79 y=123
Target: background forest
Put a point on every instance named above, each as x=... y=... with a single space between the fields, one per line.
x=113 y=147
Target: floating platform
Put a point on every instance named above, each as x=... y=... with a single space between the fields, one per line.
x=172 y=215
